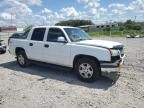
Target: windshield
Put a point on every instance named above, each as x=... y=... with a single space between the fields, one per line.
x=76 y=34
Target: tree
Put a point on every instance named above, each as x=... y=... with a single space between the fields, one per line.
x=121 y=28
x=129 y=24
x=107 y=29
x=75 y=23
x=137 y=27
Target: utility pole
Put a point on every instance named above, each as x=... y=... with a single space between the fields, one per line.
x=43 y=22
x=11 y=19
x=135 y=18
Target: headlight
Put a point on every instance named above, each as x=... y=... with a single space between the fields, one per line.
x=115 y=52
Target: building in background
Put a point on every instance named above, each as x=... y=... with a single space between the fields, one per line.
x=11 y=29
x=3 y=29
x=97 y=28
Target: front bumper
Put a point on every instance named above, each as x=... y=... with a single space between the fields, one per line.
x=115 y=62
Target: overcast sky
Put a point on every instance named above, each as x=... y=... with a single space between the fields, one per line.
x=49 y=12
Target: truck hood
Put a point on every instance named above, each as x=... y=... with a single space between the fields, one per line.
x=100 y=43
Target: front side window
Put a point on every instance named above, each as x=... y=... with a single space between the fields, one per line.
x=38 y=34
x=54 y=33
x=76 y=34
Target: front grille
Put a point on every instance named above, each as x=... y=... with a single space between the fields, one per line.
x=115 y=58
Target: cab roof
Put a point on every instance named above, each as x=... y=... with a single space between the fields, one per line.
x=54 y=27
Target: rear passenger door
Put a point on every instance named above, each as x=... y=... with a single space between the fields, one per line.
x=35 y=44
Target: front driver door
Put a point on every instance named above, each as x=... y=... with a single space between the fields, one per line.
x=56 y=52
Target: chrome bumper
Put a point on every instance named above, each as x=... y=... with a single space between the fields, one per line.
x=122 y=59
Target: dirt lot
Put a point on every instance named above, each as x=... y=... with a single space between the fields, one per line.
x=51 y=87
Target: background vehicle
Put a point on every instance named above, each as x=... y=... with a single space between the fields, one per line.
x=65 y=46
x=2 y=47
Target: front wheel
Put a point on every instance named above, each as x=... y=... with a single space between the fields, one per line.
x=22 y=59
x=87 y=69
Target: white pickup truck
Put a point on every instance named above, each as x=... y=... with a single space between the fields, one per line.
x=66 y=46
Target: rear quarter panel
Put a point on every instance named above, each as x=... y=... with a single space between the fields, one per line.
x=15 y=43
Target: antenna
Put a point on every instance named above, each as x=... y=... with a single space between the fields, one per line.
x=135 y=18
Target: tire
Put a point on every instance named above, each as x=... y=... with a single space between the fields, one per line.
x=88 y=70
x=22 y=59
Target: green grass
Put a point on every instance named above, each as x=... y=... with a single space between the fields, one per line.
x=116 y=33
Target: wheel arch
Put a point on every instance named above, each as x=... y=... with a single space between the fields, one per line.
x=77 y=57
x=19 y=49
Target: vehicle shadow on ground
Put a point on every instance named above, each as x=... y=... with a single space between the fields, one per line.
x=107 y=80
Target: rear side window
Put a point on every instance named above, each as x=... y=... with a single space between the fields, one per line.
x=25 y=34
x=54 y=33
x=38 y=34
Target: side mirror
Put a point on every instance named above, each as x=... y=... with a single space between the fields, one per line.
x=61 y=39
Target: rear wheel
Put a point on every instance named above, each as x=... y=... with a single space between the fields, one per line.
x=87 y=69
x=22 y=59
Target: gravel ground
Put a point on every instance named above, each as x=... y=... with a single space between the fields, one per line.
x=50 y=87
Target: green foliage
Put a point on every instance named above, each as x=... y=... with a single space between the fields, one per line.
x=107 y=29
x=74 y=23
x=121 y=28
x=137 y=27
x=125 y=28
x=134 y=32
x=132 y=25
x=117 y=33
x=94 y=33
x=129 y=22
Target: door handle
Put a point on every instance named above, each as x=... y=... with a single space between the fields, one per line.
x=46 y=45
x=30 y=44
